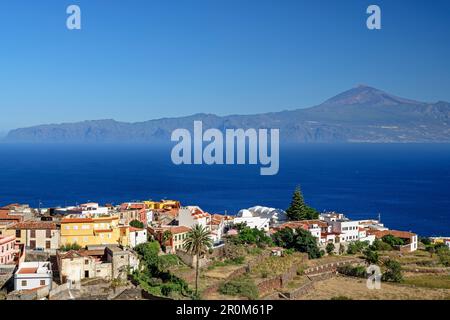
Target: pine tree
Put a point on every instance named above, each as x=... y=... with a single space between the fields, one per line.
x=297 y=209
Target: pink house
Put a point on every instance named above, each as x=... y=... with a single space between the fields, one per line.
x=7 y=249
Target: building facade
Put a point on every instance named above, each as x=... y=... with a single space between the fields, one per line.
x=92 y=230
x=33 y=275
x=7 y=249
x=37 y=235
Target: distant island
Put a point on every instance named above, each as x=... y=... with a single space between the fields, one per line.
x=361 y=114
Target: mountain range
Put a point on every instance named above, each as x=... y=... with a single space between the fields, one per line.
x=361 y=114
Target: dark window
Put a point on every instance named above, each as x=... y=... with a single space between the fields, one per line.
x=42 y=283
x=24 y=283
x=18 y=233
x=86 y=261
x=47 y=244
x=33 y=244
x=33 y=234
x=86 y=274
x=48 y=233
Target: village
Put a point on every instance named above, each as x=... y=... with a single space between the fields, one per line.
x=165 y=250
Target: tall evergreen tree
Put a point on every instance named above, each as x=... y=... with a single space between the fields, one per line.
x=297 y=209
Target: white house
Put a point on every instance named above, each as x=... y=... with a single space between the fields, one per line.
x=246 y=216
x=137 y=236
x=33 y=275
x=276 y=216
x=90 y=208
x=192 y=215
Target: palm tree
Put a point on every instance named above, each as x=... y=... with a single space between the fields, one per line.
x=197 y=243
x=166 y=236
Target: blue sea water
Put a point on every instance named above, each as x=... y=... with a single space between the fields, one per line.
x=408 y=184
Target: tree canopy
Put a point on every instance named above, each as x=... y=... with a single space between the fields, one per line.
x=299 y=240
x=298 y=210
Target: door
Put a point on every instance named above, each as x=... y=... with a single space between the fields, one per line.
x=32 y=244
x=86 y=274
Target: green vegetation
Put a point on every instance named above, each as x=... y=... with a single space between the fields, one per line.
x=242 y=286
x=351 y=271
x=371 y=256
x=273 y=265
x=299 y=239
x=443 y=253
x=330 y=248
x=379 y=245
x=298 y=210
x=166 y=236
x=392 y=240
x=357 y=247
x=70 y=246
x=227 y=262
x=426 y=241
x=154 y=277
x=137 y=224
x=393 y=271
x=197 y=243
x=249 y=235
x=433 y=281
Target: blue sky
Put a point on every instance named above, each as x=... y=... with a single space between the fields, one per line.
x=136 y=60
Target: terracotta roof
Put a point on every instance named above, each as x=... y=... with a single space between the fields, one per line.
x=399 y=234
x=34 y=225
x=293 y=225
x=321 y=223
x=27 y=270
x=177 y=229
x=133 y=229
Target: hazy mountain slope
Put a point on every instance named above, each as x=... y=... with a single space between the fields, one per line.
x=359 y=114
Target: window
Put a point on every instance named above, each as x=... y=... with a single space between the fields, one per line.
x=24 y=283
x=33 y=234
x=86 y=261
x=67 y=227
x=33 y=244
x=42 y=282
x=18 y=233
x=48 y=233
x=75 y=227
x=47 y=245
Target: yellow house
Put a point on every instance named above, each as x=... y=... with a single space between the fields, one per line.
x=163 y=204
x=88 y=231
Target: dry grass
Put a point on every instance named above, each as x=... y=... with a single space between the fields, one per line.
x=273 y=265
x=433 y=281
x=357 y=290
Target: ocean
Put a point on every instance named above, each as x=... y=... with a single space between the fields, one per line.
x=407 y=184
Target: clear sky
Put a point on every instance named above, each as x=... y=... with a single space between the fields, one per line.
x=136 y=60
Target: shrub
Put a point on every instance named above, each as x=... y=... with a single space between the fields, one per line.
x=444 y=256
x=371 y=256
x=358 y=271
x=357 y=247
x=393 y=271
x=242 y=286
x=299 y=240
x=70 y=246
x=137 y=224
x=392 y=240
x=426 y=241
x=379 y=245
x=330 y=248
